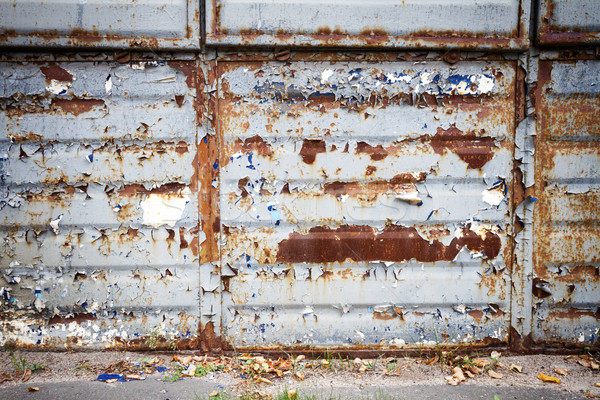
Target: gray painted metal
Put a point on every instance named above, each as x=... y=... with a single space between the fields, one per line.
x=323 y=161
x=98 y=209
x=172 y=24
x=438 y=24
x=572 y=21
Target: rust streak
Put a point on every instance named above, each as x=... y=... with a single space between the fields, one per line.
x=55 y=72
x=395 y=243
x=476 y=151
x=77 y=106
x=310 y=149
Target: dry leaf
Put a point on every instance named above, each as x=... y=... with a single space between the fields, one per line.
x=548 y=378
x=292 y=394
x=456 y=378
x=495 y=375
x=473 y=369
x=134 y=376
x=515 y=368
x=325 y=363
x=300 y=357
x=363 y=368
x=299 y=376
x=33 y=389
x=26 y=375
x=214 y=393
x=594 y=365
x=469 y=374
x=495 y=354
x=481 y=363
x=598 y=384
x=264 y=380
x=585 y=357
x=561 y=371
x=111 y=380
x=433 y=360
x=583 y=363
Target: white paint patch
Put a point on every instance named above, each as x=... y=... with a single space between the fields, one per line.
x=57 y=87
x=325 y=75
x=410 y=198
x=485 y=84
x=54 y=224
x=108 y=84
x=494 y=195
x=162 y=209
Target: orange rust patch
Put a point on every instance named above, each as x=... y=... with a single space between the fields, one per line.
x=57 y=73
x=310 y=149
x=77 y=106
x=78 y=317
x=396 y=243
x=476 y=151
x=575 y=313
x=376 y=153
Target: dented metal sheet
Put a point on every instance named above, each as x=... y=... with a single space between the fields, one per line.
x=566 y=283
x=172 y=24
x=365 y=204
x=99 y=203
x=569 y=22
x=489 y=24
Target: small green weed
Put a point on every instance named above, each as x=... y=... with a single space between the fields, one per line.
x=20 y=363
x=153 y=338
x=175 y=376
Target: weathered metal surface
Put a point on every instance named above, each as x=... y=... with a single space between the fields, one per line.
x=145 y=24
x=99 y=203
x=366 y=204
x=569 y=22
x=490 y=24
x=566 y=284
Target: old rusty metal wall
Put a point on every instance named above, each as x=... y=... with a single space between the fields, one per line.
x=490 y=24
x=99 y=210
x=171 y=24
x=568 y=22
x=295 y=197
x=566 y=282
x=366 y=203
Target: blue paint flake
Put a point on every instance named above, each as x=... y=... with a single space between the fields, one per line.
x=216 y=164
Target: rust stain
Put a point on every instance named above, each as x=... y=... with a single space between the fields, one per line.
x=396 y=243
x=575 y=313
x=476 y=314
x=78 y=318
x=376 y=153
x=255 y=144
x=475 y=150
x=310 y=149
x=167 y=189
x=55 y=72
x=76 y=106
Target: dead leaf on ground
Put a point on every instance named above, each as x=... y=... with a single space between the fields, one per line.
x=515 y=368
x=473 y=369
x=33 y=389
x=561 y=371
x=598 y=384
x=300 y=358
x=433 y=360
x=548 y=378
x=292 y=394
x=469 y=373
x=583 y=363
x=481 y=363
x=299 y=376
x=26 y=375
x=456 y=378
x=263 y=380
x=495 y=375
x=594 y=365
x=134 y=376
x=495 y=354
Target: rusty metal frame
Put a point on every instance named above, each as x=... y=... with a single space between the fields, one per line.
x=550 y=35
x=375 y=40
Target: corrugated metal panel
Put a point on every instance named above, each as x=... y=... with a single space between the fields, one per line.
x=566 y=285
x=366 y=203
x=99 y=203
x=100 y=23
x=573 y=21
x=488 y=24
